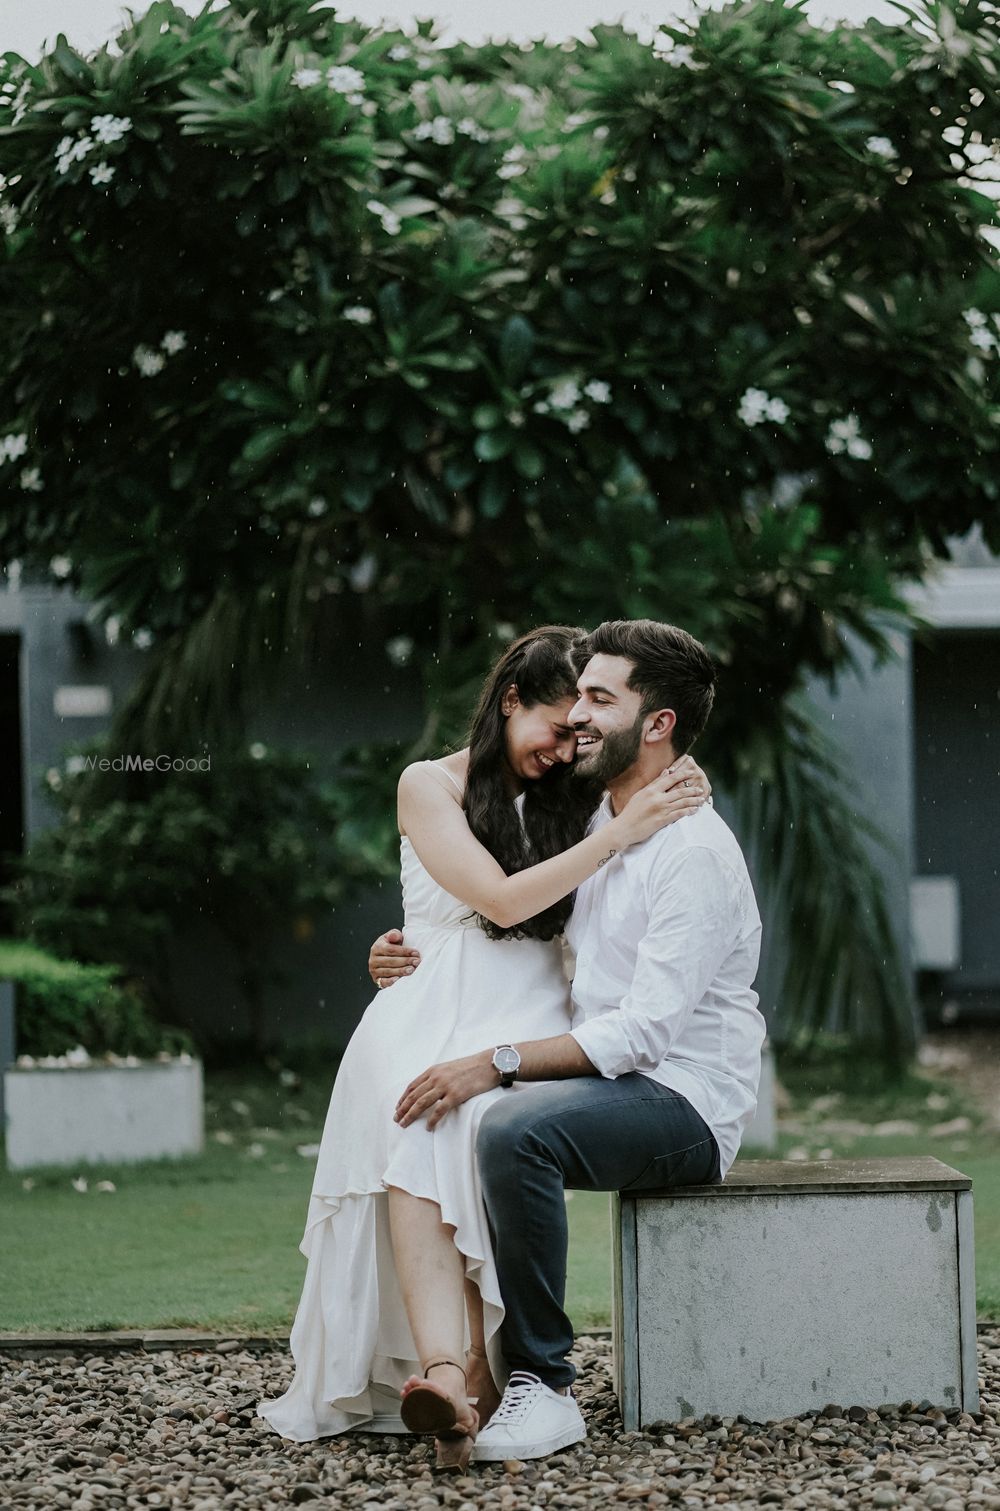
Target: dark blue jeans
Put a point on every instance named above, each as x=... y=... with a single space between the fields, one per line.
x=588 y=1134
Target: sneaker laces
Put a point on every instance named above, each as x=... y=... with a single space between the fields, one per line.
x=522 y=1389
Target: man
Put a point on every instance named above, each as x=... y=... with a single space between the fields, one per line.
x=657 y=1078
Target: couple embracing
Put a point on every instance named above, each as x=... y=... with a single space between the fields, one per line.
x=574 y=828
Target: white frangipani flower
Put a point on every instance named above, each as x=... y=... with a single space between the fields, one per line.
x=399 y=649
x=565 y=394
x=974 y=318
x=344 y=79
x=60 y=566
x=440 y=130
x=110 y=128
x=81 y=147
x=845 y=435
x=359 y=314
x=753 y=406
x=881 y=146
x=12 y=446
x=398 y=53
x=391 y=222
x=9 y=218
x=983 y=339
x=148 y=361
x=598 y=390
x=577 y=419
x=317 y=506
x=777 y=410
x=142 y=638
x=305 y=78
x=470 y=128
x=173 y=342
x=101 y=173
x=31 y=480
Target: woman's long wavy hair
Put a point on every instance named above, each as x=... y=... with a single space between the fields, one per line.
x=556 y=806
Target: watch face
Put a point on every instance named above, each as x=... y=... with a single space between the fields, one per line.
x=506 y=1059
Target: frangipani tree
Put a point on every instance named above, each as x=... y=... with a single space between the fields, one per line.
x=319 y=330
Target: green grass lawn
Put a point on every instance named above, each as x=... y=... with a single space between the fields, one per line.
x=212 y=1242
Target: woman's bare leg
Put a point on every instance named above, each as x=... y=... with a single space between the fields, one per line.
x=431 y=1274
x=481 y=1382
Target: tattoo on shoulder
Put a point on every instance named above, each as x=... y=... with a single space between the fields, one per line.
x=604 y=862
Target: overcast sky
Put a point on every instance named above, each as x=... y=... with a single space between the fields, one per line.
x=29 y=26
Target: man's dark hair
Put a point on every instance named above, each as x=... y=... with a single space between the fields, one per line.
x=671 y=669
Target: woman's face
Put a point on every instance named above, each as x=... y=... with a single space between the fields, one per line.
x=537 y=738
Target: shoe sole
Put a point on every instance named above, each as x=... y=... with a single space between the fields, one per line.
x=488 y=1453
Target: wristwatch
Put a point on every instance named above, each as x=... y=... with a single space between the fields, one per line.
x=507 y=1061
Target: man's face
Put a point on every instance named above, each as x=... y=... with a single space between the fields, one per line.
x=606 y=718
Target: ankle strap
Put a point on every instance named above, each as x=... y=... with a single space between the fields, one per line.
x=432 y=1364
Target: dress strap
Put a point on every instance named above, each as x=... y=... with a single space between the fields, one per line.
x=453 y=780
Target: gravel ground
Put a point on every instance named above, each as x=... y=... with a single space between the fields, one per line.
x=177 y=1427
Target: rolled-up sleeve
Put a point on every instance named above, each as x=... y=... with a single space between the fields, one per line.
x=694 y=922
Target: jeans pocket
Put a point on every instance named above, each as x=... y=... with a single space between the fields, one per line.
x=696 y=1166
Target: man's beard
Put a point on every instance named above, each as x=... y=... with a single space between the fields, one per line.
x=618 y=751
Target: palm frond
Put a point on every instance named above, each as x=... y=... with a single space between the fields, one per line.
x=816 y=852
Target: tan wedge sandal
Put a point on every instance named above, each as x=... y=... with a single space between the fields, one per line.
x=425 y=1407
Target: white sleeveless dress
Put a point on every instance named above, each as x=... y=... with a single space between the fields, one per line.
x=350 y=1339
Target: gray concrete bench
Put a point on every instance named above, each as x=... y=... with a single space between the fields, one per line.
x=793 y=1286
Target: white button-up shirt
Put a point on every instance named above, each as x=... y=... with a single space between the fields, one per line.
x=667 y=939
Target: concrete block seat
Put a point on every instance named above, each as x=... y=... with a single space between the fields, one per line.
x=794 y=1285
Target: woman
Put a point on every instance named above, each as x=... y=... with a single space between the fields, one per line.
x=493 y=844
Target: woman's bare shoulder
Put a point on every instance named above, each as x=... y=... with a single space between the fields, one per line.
x=448 y=773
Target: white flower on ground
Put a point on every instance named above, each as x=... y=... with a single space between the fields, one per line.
x=79 y=1183
x=565 y=394
x=63 y=147
x=173 y=342
x=845 y=435
x=257 y=753
x=511 y=170
x=439 y=130
x=368 y=107
x=110 y=128
x=13 y=446
x=973 y=318
x=777 y=410
x=541 y=407
x=399 y=649
x=31 y=480
x=754 y=405
x=305 y=78
x=984 y=339
x=106 y=1185
x=9 y=218
x=598 y=390
x=360 y=314
x=101 y=173
x=316 y=507
x=881 y=146
x=578 y=419
x=148 y=361
x=577 y=118
x=81 y=147
x=390 y=220
x=60 y=566
x=398 y=53
x=142 y=639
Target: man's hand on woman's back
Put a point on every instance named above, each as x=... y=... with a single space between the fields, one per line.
x=389 y=958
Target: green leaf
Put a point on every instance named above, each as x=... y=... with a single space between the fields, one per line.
x=492 y=495
x=491 y=445
x=487 y=416
x=264 y=443
x=517 y=342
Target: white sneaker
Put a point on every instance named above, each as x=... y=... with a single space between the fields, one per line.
x=531 y=1421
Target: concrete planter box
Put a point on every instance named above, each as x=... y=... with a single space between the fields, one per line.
x=103 y=1113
